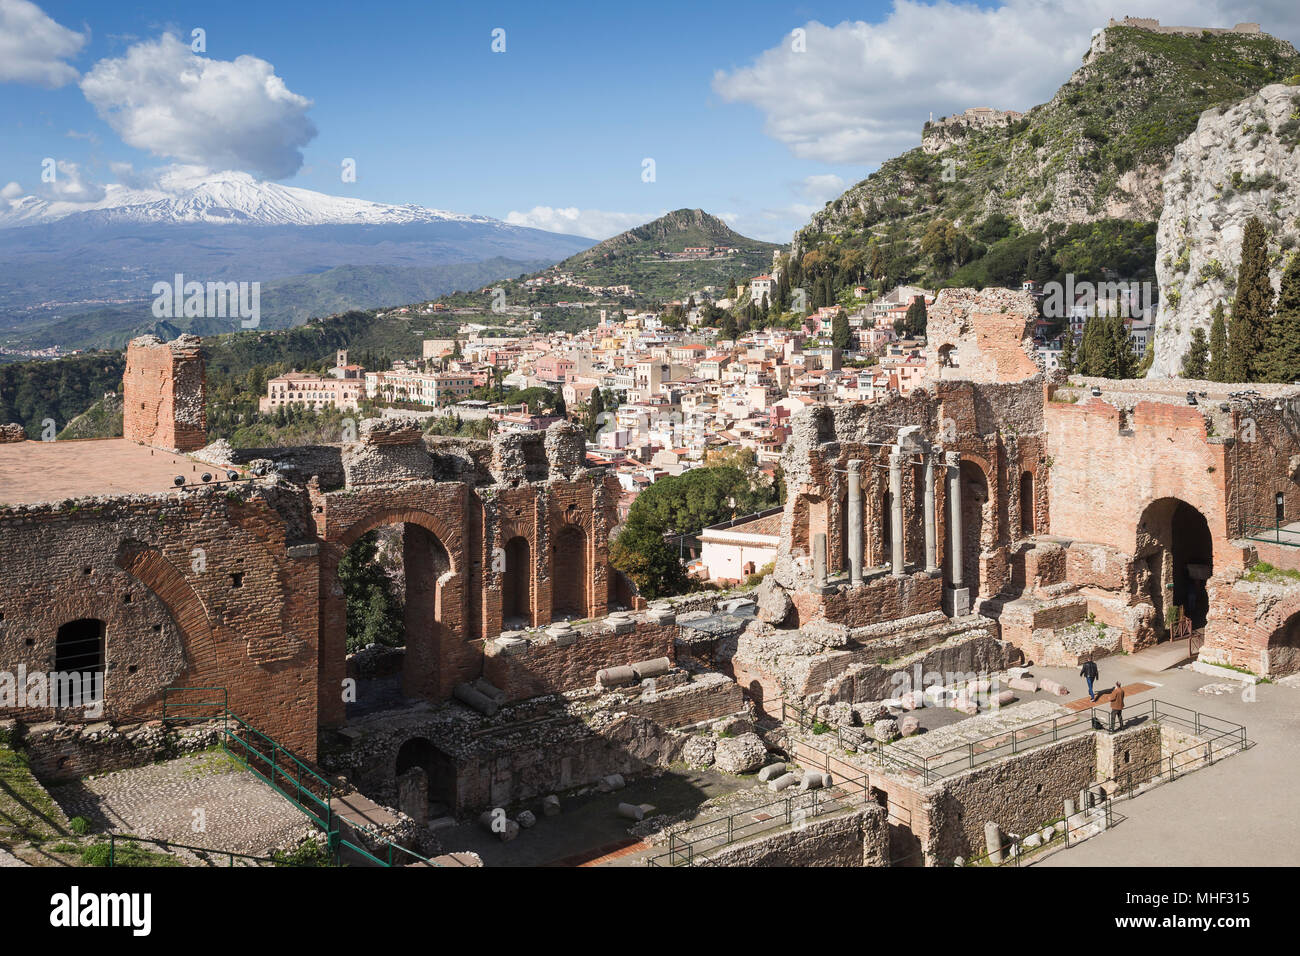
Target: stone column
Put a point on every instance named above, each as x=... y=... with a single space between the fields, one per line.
x=931 y=556
x=855 y=522
x=953 y=460
x=819 y=559
x=896 y=510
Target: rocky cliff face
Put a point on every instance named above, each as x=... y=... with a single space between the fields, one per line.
x=1095 y=151
x=1241 y=161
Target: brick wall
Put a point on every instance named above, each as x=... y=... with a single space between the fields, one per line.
x=164 y=394
x=198 y=589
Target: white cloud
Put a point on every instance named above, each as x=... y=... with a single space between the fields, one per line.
x=821 y=188
x=861 y=91
x=219 y=114
x=592 y=223
x=71 y=185
x=11 y=191
x=33 y=47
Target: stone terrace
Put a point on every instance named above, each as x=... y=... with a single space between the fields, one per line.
x=40 y=471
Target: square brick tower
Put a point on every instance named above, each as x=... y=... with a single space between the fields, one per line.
x=165 y=393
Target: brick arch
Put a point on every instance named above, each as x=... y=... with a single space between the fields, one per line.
x=429 y=672
x=434 y=524
x=188 y=612
x=571 y=592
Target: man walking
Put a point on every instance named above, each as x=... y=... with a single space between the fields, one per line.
x=1089 y=673
x=1117 y=707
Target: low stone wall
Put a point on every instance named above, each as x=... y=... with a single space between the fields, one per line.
x=1130 y=757
x=1019 y=793
x=708 y=697
x=547 y=665
x=885 y=598
x=859 y=838
x=62 y=752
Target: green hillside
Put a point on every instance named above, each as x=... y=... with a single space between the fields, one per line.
x=645 y=259
x=1075 y=182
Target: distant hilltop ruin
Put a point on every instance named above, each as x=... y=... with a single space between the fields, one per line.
x=939 y=133
x=1148 y=23
x=1152 y=25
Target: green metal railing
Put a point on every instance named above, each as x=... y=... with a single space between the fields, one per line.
x=276 y=765
x=687 y=845
x=935 y=766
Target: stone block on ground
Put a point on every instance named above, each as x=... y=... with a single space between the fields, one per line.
x=909 y=725
x=551 y=805
x=698 y=751
x=770 y=771
x=1023 y=683
x=743 y=754
x=885 y=730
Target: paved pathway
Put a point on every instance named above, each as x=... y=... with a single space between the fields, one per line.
x=1239 y=812
x=235 y=810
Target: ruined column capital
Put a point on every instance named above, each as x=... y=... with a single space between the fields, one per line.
x=952 y=459
x=855 y=465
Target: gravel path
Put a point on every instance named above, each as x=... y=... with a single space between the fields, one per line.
x=202 y=800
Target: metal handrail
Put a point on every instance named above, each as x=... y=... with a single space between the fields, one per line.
x=963 y=757
x=286 y=769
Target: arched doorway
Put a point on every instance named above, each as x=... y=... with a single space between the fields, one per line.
x=420 y=752
x=974 y=501
x=569 y=573
x=1027 y=504
x=1284 y=648
x=1174 y=559
x=388 y=588
x=517 y=586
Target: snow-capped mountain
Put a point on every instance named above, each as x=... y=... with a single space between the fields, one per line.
x=314 y=253
x=229 y=198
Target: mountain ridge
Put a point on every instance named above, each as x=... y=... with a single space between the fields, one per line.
x=228 y=197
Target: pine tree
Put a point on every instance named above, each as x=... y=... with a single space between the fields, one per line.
x=1196 y=358
x=1217 y=368
x=1252 y=309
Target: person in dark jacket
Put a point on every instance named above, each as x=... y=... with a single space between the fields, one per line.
x=1090 y=674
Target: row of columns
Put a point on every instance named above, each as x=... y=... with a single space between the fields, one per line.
x=897 y=458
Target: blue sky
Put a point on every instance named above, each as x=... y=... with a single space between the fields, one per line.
x=737 y=120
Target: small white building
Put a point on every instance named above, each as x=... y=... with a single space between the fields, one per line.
x=733 y=550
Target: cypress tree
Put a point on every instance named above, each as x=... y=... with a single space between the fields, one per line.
x=1252 y=309
x=1216 y=370
x=1196 y=358
x=1281 y=359
x=1067 y=351
x=1124 y=361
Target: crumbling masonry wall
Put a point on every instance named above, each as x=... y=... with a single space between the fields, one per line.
x=164 y=393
